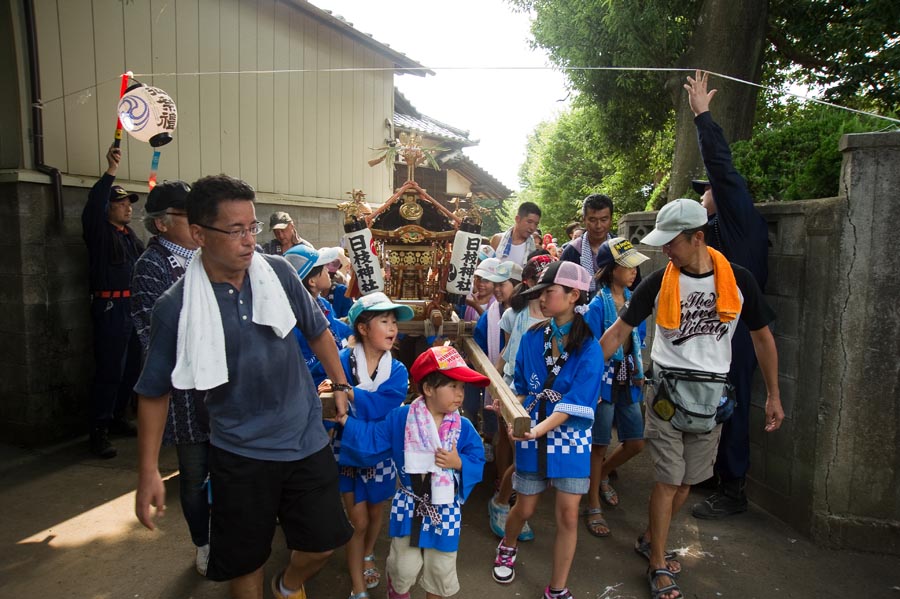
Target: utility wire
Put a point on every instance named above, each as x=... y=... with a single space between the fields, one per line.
x=775 y=90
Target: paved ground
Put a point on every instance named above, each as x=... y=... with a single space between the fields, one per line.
x=68 y=530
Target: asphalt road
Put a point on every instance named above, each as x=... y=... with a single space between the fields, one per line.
x=67 y=529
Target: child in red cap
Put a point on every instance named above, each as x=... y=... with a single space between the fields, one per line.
x=439 y=457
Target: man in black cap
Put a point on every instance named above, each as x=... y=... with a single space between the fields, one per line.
x=169 y=253
x=740 y=232
x=113 y=248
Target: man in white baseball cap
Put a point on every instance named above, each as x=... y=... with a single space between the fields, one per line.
x=675 y=218
x=698 y=300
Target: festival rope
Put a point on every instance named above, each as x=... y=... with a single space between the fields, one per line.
x=804 y=97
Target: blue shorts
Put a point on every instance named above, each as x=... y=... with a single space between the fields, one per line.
x=532 y=483
x=374 y=485
x=629 y=422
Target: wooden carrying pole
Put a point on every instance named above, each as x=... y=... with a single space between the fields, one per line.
x=461 y=334
x=513 y=411
x=329 y=408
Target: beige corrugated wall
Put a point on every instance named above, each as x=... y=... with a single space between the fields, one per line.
x=306 y=135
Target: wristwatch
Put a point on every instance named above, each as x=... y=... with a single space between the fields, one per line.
x=342 y=387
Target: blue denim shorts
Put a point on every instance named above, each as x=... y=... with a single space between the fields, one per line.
x=629 y=422
x=532 y=483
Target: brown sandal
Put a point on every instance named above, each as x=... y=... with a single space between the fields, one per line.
x=594 y=520
x=609 y=497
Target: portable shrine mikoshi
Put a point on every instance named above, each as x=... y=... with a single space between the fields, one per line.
x=422 y=255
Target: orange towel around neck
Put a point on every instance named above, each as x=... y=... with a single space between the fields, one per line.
x=728 y=302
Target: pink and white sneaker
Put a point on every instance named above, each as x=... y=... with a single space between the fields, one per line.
x=392 y=594
x=504 y=570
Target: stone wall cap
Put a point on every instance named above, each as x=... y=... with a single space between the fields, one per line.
x=852 y=141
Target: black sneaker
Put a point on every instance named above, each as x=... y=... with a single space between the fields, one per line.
x=719 y=505
x=100 y=445
x=123 y=428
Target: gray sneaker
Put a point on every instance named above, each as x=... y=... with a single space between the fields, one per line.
x=201 y=560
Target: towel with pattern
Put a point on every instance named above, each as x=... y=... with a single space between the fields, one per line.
x=421 y=439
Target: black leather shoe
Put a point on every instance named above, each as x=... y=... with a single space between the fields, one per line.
x=123 y=427
x=729 y=500
x=100 y=445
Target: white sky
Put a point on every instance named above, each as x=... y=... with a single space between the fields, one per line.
x=498 y=107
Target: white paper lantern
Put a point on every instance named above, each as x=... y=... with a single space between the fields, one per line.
x=463 y=261
x=148 y=114
x=365 y=263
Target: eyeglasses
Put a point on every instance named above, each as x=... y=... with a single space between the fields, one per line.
x=668 y=246
x=255 y=229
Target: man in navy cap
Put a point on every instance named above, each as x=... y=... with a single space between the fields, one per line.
x=169 y=253
x=740 y=232
x=113 y=248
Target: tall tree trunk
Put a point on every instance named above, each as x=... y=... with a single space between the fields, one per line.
x=730 y=38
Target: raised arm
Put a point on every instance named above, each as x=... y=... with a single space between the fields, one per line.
x=732 y=197
x=94 y=214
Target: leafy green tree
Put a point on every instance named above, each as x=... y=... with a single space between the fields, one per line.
x=793 y=155
x=850 y=48
x=796 y=156
x=499 y=216
x=561 y=167
x=568 y=159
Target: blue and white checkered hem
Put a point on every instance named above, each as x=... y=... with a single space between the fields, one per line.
x=575 y=410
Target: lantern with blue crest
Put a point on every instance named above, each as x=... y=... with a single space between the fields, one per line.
x=149 y=115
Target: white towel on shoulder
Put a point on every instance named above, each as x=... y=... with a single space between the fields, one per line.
x=362 y=368
x=200 y=355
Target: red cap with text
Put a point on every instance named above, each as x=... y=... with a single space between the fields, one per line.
x=447 y=361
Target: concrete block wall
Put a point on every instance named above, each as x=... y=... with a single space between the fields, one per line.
x=322 y=227
x=857 y=487
x=46 y=359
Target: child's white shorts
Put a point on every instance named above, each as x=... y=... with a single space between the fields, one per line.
x=438 y=574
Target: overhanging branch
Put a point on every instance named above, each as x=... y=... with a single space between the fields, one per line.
x=785 y=47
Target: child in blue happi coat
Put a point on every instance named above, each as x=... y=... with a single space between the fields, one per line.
x=621 y=388
x=337 y=294
x=310 y=265
x=439 y=458
x=557 y=380
x=504 y=276
x=378 y=385
x=523 y=313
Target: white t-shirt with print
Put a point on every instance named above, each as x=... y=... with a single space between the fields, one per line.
x=702 y=342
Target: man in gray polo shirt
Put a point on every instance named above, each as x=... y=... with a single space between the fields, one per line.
x=269 y=455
